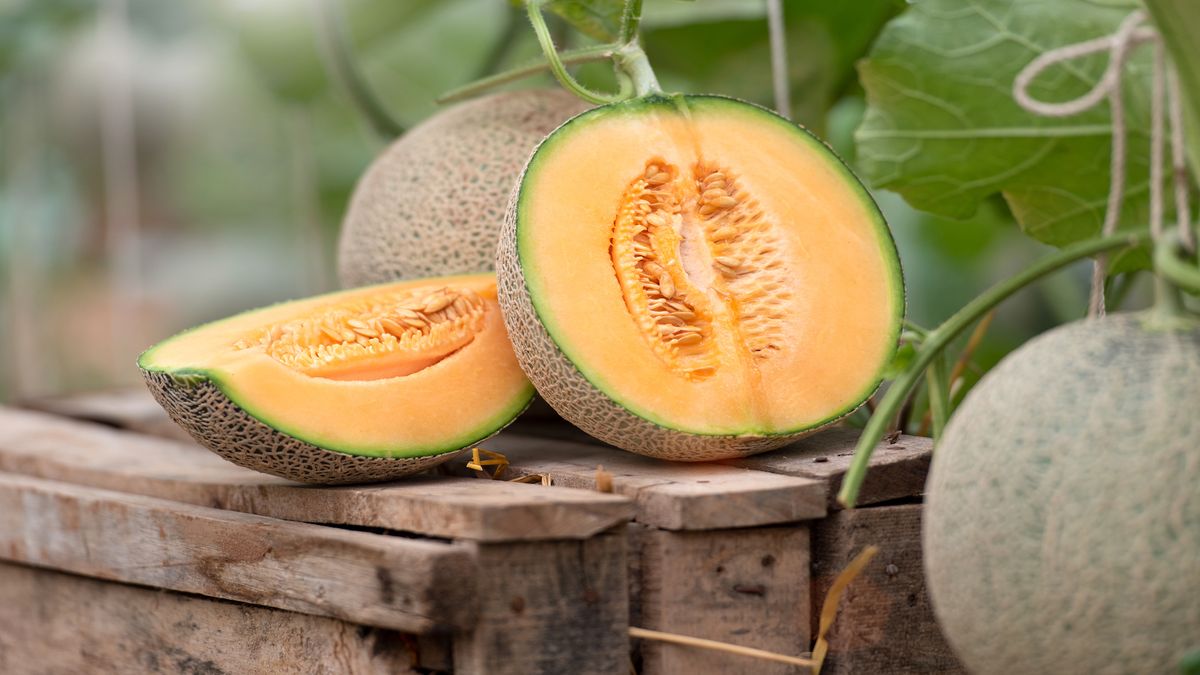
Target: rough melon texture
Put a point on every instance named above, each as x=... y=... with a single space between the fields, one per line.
x=431 y=204
x=560 y=383
x=199 y=407
x=1062 y=532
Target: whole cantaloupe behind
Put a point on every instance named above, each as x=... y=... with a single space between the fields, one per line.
x=432 y=203
x=1062 y=526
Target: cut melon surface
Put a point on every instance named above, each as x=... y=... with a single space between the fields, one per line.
x=675 y=268
x=413 y=369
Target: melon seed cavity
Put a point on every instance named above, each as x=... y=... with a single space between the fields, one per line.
x=374 y=336
x=695 y=254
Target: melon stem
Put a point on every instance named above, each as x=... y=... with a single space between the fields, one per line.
x=631 y=60
x=939 y=338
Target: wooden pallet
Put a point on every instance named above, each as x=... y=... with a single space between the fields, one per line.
x=739 y=551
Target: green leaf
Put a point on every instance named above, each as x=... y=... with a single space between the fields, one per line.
x=729 y=53
x=942 y=129
x=599 y=19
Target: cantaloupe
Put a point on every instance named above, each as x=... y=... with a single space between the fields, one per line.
x=361 y=385
x=432 y=203
x=1062 y=524
x=695 y=278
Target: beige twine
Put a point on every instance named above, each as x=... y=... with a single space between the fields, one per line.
x=1119 y=45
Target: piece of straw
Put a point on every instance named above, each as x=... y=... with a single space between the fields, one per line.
x=832 y=597
x=828 y=613
x=477 y=463
x=689 y=641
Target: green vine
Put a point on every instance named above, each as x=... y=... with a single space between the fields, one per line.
x=560 y=70
x=1172 y=262
x=937 y=339
x=605 y=52
x=635 y=77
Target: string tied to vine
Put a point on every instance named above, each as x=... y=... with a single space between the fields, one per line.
x=1131 y=33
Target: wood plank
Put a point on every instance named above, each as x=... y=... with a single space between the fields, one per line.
x=131 y=408
x=746 y=586
x=550 y=608
x=898 y=468
x=46 y=446
x=411 y=585
x=669 y=495
x=52 y=622
x=885 y=624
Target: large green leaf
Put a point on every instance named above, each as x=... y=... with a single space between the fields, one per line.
x=943 y=130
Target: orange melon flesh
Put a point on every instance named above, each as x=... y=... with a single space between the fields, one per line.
x=399 y=404
x=837 y=270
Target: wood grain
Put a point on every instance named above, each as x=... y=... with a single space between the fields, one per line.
x=669 y=495
x=550 y=608
x=132 y=408
x=412 y=585
x=898 y=468
x=55 y=623
x=47 y=446
x=885 y=624
x=747 y=587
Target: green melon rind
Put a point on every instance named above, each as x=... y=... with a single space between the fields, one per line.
x=579 y=393
x=1062 y=517
x=201 y=407
x=430 y=204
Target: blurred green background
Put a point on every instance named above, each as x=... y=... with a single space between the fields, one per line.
x=168 y=163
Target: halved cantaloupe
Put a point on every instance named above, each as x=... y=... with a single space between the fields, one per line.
x=361 y=385
x=693 y=278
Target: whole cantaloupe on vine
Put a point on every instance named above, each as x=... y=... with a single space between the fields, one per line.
x=1062 y=525
x=432 y=203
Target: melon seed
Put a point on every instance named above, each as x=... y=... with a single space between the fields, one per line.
x=666 y=286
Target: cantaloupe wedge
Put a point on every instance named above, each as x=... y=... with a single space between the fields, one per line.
x=693 y=277
x=360 y=385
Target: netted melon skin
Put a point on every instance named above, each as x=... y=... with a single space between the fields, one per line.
x=197 y=405
x=1062 y=532
x=573 y=397
x=431 y=204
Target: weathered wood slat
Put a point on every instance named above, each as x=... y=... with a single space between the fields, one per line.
x=669 y=495
x=56 y=448
x=553 y=608
x=898 y=468
x=52 y=622
x=130 y=408
x=885 y=624
x=412 y=585
x=747 y=586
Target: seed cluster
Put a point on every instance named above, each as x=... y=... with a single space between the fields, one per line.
x=675 y=312
x=656 y=290
x=745 y=248
x=332 y=340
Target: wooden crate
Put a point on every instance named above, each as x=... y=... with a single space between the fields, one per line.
x=739 y=551
x=492 y=577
